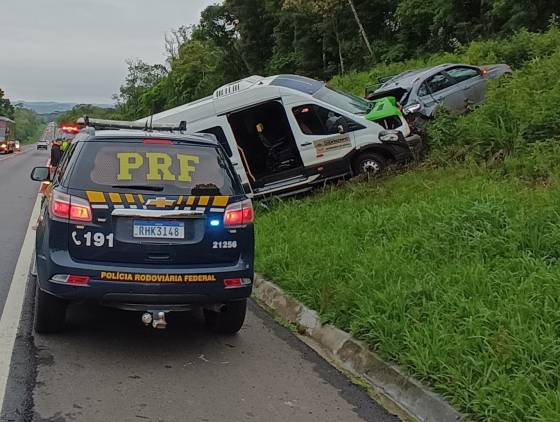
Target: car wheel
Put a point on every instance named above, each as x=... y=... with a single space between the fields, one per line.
x=369 y=163
x=50 y=313
x=229 y=320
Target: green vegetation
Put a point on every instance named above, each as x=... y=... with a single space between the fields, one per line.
x=325 y=38
x=451 y=269
x=29 y=125
x=451 y=273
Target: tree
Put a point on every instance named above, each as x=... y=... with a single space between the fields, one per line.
x=140 y=78
x=29 y=125
x=6 y=107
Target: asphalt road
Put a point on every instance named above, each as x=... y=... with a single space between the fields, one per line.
x=109 y=367
x=17 y=197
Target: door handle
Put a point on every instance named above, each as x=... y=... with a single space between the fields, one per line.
x=235 y=164
x=306 y=144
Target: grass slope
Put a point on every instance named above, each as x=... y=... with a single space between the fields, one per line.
x=452 y=273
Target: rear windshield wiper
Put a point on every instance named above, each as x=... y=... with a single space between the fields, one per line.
x=140 y=187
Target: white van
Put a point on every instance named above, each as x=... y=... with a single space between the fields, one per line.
x=286 y=133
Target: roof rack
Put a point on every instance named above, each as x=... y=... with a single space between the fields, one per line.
x=103 y=124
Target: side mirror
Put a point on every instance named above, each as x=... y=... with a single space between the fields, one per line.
x=40 y=174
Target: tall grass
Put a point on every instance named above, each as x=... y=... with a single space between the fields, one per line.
x=452 y=273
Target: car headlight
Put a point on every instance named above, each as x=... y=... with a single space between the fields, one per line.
x=412 y=108
x=389 y=136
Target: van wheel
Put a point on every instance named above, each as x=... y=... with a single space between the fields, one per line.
x=229 y=320
x=50 y=313
x=369 y=163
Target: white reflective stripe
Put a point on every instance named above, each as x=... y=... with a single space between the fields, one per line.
x=222 y=210
x=119 y=207
x=134 y=207
x=201 y=209
x=100 y=207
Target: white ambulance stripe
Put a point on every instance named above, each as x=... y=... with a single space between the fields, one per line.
x=221 y=210
x=100 y=207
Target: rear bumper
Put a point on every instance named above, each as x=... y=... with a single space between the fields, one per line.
x=123 y=286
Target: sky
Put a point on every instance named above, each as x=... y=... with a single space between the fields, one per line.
x=76 y=50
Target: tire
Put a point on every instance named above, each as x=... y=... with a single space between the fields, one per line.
x=369 y=163
x=50 y=313
x=229 y=320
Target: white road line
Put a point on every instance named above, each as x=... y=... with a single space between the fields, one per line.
x=9 y=322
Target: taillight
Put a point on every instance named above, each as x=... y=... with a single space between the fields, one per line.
x=236 y=283
x=70 y=207
x=239 y=214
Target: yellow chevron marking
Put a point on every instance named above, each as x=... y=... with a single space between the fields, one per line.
x=203 y=201
x=180 y=201
x=221 y=201
x=115 y=198
x=129 y=198
x=96 y=197
x=191 y=199
x=141 y=198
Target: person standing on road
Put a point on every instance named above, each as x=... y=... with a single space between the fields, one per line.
x=56 y=155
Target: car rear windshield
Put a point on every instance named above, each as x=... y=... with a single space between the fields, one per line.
x=175 y=168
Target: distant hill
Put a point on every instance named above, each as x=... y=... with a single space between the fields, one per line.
x=52 y=107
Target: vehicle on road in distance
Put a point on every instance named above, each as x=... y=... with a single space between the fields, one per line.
x=144 y=221
x=287 y=133
x=42 y=144
x=7 y=133
x=17 y=146
x=456 y=87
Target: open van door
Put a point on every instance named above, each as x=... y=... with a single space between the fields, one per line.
x=267 y=147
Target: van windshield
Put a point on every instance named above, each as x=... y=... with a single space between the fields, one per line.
x=172 y=169
x=344 y=101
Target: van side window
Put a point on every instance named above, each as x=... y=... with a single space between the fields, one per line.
x=218 y=132
x=316 y=120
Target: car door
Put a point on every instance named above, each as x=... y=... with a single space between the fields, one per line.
x=439 y=90
x=316 y=130
x=470 y=80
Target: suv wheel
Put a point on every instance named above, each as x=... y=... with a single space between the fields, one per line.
x=229 y=320
x=369 y=163
x=50 y=312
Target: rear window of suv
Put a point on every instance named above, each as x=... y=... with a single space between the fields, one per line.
x=175 y=168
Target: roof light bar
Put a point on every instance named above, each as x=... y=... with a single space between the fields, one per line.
x=101 y=124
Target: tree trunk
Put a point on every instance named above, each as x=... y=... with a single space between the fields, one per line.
x=362 y=30
x=339 y=48
x=324 y=47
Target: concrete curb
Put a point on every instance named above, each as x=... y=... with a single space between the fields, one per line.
x=350 y=355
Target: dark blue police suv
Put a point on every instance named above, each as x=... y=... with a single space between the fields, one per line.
x=144 y=221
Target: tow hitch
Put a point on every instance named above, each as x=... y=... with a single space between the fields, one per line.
x=156 y=319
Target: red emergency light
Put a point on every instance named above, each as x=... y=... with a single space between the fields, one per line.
x=73 y=129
